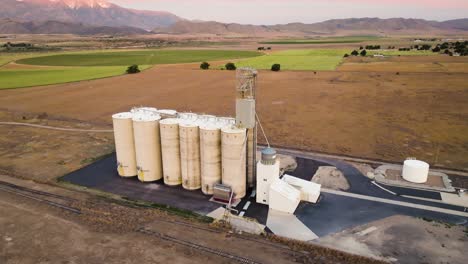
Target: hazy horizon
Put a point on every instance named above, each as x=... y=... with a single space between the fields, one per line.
x=267 y=12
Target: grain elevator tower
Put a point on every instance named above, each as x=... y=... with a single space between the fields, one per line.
x=246 y=116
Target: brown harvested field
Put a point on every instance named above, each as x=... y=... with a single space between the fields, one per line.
x=44 y=155
x=406 y=64
x=373 y=115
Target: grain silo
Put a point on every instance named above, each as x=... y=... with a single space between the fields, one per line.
x=124 y=144
x=233 y=154
x=147 y=146
x=210 y=155
x=190 y=154
x=415 y=171
x=170 y=148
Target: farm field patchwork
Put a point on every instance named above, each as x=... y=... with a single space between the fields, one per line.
x=382 y=116
x=16 y=78
x=140 y=57
x=311 y=59
x=331 y=40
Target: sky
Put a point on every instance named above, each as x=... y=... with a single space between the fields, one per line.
x=267 y=12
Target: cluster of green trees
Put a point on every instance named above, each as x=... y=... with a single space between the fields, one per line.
x=133 y=69
x=372 y=47
x=356 y=53
x=264 y=48
x=22 y=46
x=453 y=48
x=232 y=67
x=229 y=66
x=423 y=47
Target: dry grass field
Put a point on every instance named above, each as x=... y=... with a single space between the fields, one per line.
x=395 y=64
x=377 y=115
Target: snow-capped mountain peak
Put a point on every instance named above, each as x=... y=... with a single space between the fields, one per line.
x=73 y=4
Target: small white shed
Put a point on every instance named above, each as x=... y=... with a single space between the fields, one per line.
x=310 y=191
x=284 y=197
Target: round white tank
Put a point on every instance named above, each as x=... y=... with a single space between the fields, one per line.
x=170 y=148
x=415 y=171
x=190 y=154
x=124 y=144
x=233 y=155
x=147 y=146
x=210 y=156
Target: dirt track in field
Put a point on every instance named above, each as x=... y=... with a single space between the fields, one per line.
x=373 y=115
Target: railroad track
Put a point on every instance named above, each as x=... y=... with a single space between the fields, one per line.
x=198 y=246
x=38 y=196
x=219 y=231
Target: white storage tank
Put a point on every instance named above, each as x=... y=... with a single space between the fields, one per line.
x=415 y=171
x=124 y=144
x=170 y=148
x=210 y=155
x=147 y=146
x=268 y=171
x=190 y=154
x=233 y=154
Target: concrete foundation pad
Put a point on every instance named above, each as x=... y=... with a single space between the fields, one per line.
x=217 y=214
x=455 y=199
x=287 y=225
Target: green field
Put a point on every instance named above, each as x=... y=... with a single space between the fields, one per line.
x=16 y=78
x=332 y=40
x=312 y=59
x=396 y=52
x=98 y=64
x=143 y=57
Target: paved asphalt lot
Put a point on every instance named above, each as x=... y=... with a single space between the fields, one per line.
x=332 y=214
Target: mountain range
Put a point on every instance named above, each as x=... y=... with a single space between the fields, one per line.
x=89 y=12
x=335 y=26
x=103 y=17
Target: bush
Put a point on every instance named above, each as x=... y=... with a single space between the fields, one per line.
x=276 y=67
x=346 y=55
x=363 y=53
x=204 y=66
x=230 y=66
x=133 y=69
x=355 y=53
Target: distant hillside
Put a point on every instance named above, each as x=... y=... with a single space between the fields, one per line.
x=211 y=27
x=460 y=24
x=367 y=25
x=90 y=12
x=8 y=26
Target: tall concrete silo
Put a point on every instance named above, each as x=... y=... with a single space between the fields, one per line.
x=233 y=154
x=124 y=144
x=190 y=154
x=210 y=155
x=147 y=146
x=170 y=148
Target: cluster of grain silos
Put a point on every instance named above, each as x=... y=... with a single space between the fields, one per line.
x=197 y=151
